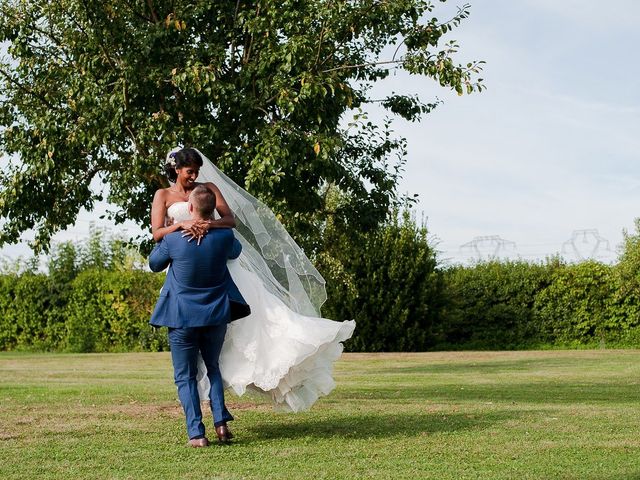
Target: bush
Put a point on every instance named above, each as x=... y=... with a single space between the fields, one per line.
x=574 y=309
x=110 y=311
x=8 y=325
x=94 y=298
x=99 y=310
x=491 y=305
x=32 y=318
x=592 y=304
x=626 y=305
x=386 y=280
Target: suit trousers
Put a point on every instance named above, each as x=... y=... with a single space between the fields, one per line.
x=185 y=344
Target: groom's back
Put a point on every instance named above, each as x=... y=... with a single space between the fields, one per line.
x=203 y=265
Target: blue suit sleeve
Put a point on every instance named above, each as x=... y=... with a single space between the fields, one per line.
x=236 y=248
x=159 y=258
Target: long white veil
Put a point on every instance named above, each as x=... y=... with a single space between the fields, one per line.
x=267 y=249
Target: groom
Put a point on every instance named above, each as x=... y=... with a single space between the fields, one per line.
x=195 y=304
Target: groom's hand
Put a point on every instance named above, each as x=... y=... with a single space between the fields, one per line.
x=195 y=229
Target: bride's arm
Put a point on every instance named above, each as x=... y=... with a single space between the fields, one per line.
x=227 y=219
x=158 y=214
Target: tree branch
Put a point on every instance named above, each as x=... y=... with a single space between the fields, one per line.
x=233 y=37
x=396 y=52
x=457 y=17
x=249 y=45
x=322 y=30
x=100 y=42
x=154 y=16
x=370 y=64
x=27 y=90
x=133 y=139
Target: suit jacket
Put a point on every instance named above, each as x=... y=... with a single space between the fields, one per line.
x=198 y=290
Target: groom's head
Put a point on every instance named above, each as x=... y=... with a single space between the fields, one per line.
x=202 y=202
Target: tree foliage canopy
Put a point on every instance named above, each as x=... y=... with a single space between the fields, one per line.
x=97 y=92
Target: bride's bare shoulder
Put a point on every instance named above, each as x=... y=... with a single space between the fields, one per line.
x=161 y=197
x=161 y=193
x=211 y=186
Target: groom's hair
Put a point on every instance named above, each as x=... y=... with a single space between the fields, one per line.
x=204 y=201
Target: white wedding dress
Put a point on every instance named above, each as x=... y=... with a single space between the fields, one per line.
x=275 y=350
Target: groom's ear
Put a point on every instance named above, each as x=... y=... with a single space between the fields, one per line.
x=190 y=207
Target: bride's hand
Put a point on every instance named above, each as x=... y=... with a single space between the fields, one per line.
x=195 y=229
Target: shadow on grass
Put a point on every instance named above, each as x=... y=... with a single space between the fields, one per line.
x=498 y=365
x=534 y=392
x=534 y=381
x=375 y=425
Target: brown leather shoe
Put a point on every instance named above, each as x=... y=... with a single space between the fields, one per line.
x=199 y=442
x=224 y=435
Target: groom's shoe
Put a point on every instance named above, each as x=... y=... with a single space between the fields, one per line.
x=223 y=433
x=199 y=442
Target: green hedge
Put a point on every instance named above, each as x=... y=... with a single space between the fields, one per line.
x=387 y=280
x=575 y=308
x=98 y=311
x=491 y=305
x=110 y=310
x=398 y=305
x=509 y=305
x=31 y=312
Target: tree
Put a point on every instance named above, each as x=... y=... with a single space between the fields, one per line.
x=386 y=280
x=628 y=267
x=97 y=92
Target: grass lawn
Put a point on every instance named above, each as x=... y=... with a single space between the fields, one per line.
x=466 y=415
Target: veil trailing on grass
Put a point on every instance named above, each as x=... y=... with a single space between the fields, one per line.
x=268 y=250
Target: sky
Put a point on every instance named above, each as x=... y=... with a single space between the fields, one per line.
x=547 y=159
x=550 y=151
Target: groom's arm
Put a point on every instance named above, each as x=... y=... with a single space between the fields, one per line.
x=159 y=258
x=236 y=248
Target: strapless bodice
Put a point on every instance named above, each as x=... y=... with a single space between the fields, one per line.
x=178 y=211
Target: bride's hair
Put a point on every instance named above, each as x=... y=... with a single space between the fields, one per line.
x=180 y=158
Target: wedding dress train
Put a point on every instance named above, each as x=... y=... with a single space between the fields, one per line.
x=287 y=354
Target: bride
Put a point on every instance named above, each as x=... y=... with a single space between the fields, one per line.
x=283 y=348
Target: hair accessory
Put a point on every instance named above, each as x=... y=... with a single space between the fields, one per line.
x=172 y=159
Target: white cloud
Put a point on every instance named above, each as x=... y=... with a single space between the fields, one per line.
x=550 y=148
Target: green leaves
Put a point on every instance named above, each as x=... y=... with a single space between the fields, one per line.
x=408 y=107
x=394 y=302
x=104 y=89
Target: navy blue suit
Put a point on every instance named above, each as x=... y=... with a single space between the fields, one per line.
x=195 y=304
